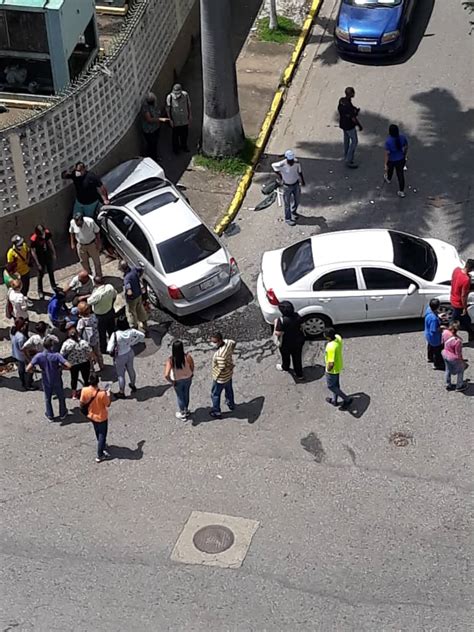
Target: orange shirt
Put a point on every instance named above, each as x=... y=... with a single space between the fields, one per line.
x=98 y=406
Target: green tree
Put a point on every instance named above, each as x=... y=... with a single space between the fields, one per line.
x=222 y=131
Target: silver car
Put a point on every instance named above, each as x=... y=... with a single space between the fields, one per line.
x=149 y=223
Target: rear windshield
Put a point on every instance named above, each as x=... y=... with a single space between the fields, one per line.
x=297 y=261
x=188 y=248
x=156 y=202
x=414 y=255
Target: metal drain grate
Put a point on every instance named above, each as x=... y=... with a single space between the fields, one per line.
x=213 y=539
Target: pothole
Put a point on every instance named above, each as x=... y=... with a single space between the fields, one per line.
x=401 y=439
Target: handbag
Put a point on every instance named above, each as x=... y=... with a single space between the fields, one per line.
x=84 y=408
x=277 y=340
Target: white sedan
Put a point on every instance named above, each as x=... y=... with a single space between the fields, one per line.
x=355 y=276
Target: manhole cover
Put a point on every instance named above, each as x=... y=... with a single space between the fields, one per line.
x=400 y=439
x=213 y=539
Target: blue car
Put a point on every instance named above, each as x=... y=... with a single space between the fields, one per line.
x=370 y=28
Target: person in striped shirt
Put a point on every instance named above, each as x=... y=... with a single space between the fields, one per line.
x=222 y=371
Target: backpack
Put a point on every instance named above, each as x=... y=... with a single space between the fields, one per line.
x=84 y=408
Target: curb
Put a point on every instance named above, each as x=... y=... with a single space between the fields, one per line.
x=269 y=121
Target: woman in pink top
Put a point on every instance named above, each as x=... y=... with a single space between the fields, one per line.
x=452 y=354
x=179 y=372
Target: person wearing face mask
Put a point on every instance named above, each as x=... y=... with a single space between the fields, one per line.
x=291 y=177
x=151 y=121
x=44 y=255
x=90 y=191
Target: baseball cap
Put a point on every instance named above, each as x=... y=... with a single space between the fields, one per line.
x=289 y=154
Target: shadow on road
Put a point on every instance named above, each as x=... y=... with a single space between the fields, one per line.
x=359 y=405
x=250 y=411
x=124 y=453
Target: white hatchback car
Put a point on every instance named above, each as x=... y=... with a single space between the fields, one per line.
x=355 y=276
x=149 y=223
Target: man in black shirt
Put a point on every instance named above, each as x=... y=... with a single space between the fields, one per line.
x=348 y=122
x=89 y=189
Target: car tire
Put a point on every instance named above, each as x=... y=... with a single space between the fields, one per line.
x=445 y=308
x=313 y=325
x=153 y=298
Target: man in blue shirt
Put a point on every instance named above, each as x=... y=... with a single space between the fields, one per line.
x=51 y=365
x=132 y=288
x=433 y=335
x=57 y=310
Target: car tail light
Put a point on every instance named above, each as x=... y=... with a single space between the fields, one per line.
x=174 y=292
x=272 y=299
x=234 y=268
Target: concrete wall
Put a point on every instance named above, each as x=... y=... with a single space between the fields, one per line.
x=35 y=153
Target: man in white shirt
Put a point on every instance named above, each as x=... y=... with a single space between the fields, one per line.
x=102 y=302
x=84 y=235
x=80 y=287
x=291 y=176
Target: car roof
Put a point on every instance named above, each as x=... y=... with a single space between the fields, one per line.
x=130 y=174
x=372 y=245
x=167 y=221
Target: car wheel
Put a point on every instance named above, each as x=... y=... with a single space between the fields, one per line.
x=313 y=325
x=154 y=300
x=446 y=311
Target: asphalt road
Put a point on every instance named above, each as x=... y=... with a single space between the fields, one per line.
x=355 y=533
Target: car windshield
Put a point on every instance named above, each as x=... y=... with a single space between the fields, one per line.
x=414 y=255
x=297 y=261
x=373 y=3
x=188 y=248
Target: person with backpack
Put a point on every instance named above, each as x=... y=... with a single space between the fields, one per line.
x=88 y=330
x=79 y=354
x=396 y=148
x=290 y=338
x=120 y=348
x=178 y=111
x=179 y=371
x=94 y=404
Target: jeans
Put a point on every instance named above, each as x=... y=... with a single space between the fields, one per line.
x=151 y=143
x=124 y=362
x=84 y=369
x=179 y=138
x=46 y=266
x=216 y=392
x=397 y=165
x=26 y=378
x=292 y=354
x=56 y=388
x=464 y=321
x=454 y=368
x=434 y=355
x=105 y=325
x=291 y=199
x=25 y=283
x=333 y=384
x=182 y=389
x=350 y=143
x=100 y=429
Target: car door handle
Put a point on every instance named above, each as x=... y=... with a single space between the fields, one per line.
x=140 y=263
x=118 y=238
x=324 y=300
x=376 y=298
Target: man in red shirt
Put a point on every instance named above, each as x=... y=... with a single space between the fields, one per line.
x=460 y=288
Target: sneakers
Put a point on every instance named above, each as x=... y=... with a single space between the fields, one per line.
x=352 y=165
x=181 y=416
x=386 y=178
x=462 y=388
x=120 y=395
x=345 y=405
x=48 y=417
x=401 y=194
x=290 y=222
x=133 y=388
x=75 y=395
x=450 y=387
x=215 y=414
x=330 y=401
x=105 y=457
x=64 y=416
x=279 y=367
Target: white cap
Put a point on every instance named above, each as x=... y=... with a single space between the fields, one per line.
x=289 y=154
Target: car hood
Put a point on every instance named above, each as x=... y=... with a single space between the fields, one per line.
x=448 y=259
x=131 y=172
x=364 y=22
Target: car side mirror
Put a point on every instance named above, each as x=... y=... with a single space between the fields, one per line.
x=412 y=288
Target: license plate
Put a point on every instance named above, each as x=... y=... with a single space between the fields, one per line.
x=364 y=49
x=206 y=284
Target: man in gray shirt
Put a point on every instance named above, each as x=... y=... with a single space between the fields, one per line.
x=178 y=110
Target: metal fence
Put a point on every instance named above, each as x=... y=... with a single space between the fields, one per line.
x=94 y=112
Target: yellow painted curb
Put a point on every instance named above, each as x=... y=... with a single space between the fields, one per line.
x=269 y=121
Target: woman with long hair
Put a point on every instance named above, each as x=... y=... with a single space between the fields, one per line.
x=396 y=148
x=179 y=371
x=288 y=331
